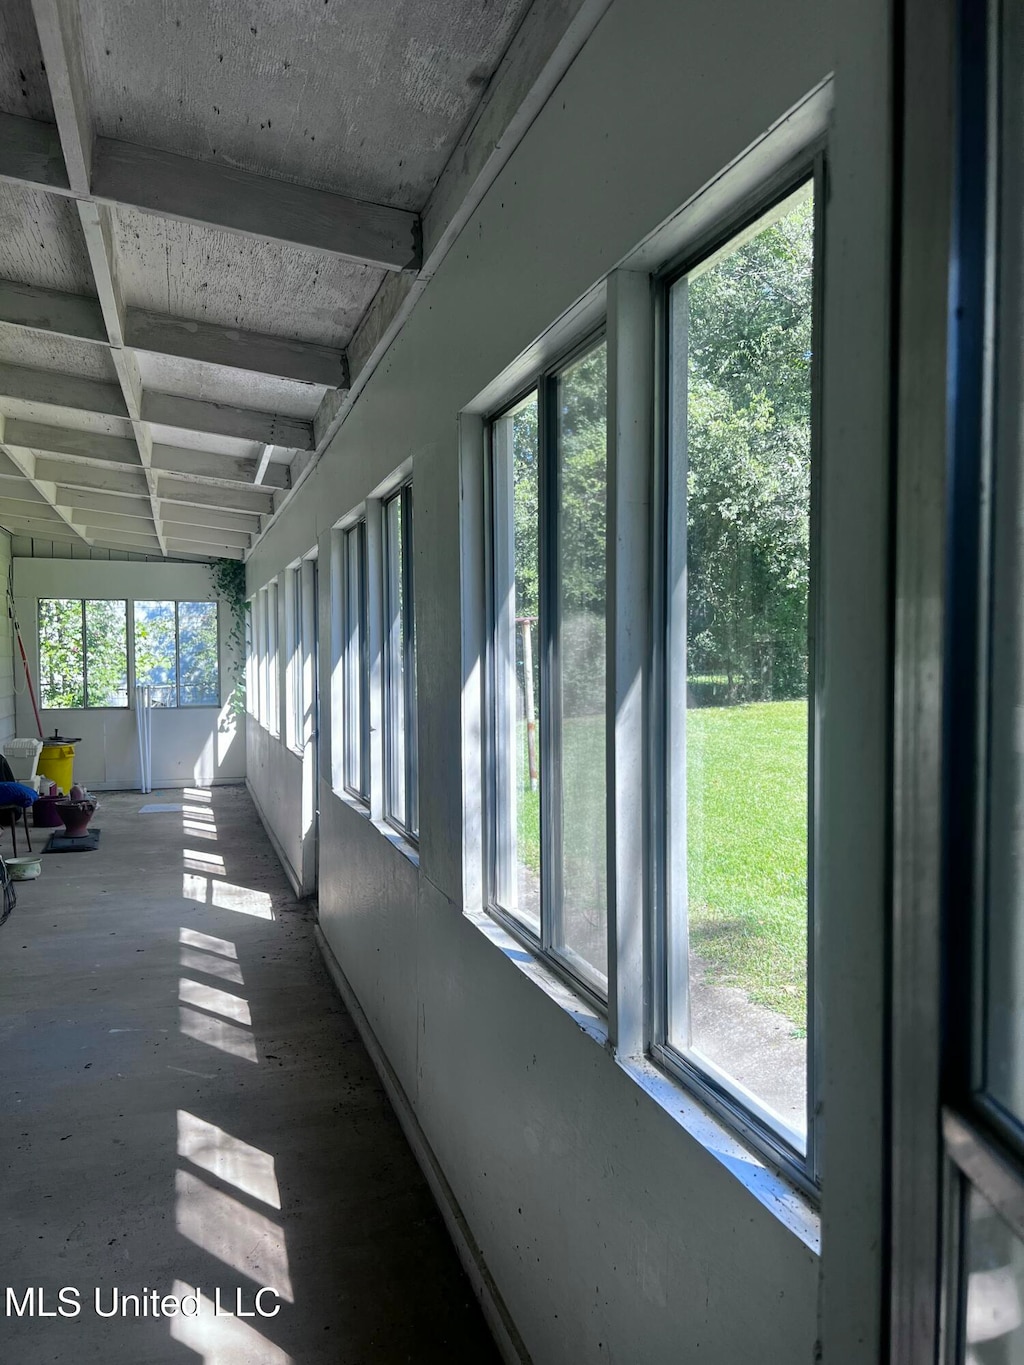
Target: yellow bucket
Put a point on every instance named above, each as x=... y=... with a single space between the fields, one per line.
x=57 y=763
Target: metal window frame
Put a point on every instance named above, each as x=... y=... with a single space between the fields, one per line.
x=179 y=705
x=356 y=664
x=721 y=1093
x=399 y=706
x=578 y=973
x=85 y=653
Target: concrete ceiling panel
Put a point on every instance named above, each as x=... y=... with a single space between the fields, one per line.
x=353 y=96
x=207 y=275
x=23 y=86
x=45 y=351
x=201 y=440
x=76 y=419
x=215 y=384
x=41 y=240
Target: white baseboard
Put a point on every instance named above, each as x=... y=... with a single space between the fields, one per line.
x=510 y=1345
x=293 y=877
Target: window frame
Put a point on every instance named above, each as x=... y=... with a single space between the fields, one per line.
x=575 y=971
x=742 y=1111
x=399 y=703
x=179 y=705
x=128 y=654
x=355 y=661
x=294 y=660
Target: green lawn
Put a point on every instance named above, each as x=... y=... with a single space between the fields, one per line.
x=747 y=817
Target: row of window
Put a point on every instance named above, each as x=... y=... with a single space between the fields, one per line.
x=274 y=674
x=85 y=662
x=375 y=661
x=727 y=749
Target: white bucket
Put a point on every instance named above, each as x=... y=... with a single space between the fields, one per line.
x=24 y=869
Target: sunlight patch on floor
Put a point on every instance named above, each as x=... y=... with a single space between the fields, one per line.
x=210 y=943
x=215 y=1000
x=226 y=1037
x=237 y=1235
x=212 y=964
x=235 y=1162
x=223 y=1341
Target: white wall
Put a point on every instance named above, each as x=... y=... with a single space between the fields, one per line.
x=199 y=744
x=610 y=1231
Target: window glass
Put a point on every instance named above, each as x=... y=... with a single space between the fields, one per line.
x=579 y=700
x=993 y=1328
x=197 y=654
x=61 y=654
x=395 y=701
x=156 y=657
x=106 y=653
x=273 y=662
x=83 y=654
x=295 y=661
x=516 y=556
x=740 y=363
x=356 y=664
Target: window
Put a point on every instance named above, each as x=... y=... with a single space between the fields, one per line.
x=272 y=720
x=548 y=467
x=251 y=671
x=83 y=653
x=176 y=652
x=295 y=705
x=401 y=783
x=356 y=664
x=737 y=673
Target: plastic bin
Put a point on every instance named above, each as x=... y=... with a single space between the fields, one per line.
x=23 y=756
x=57 y=762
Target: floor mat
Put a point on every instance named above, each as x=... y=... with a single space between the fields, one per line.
x=63 y=843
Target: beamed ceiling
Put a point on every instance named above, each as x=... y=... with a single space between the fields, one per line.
x=213 y=220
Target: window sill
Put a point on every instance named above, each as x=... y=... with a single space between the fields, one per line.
x=778 y=1195
x=398 y=841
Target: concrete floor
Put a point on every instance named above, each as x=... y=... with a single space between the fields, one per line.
x=187 y=1106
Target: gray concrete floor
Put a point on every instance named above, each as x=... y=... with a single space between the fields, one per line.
x=187 y=1106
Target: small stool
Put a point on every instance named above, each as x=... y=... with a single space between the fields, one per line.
x=9 y=816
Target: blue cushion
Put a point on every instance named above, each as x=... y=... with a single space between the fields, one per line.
x=16 y=794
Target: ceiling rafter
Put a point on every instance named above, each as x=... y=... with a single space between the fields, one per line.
x=80 y=318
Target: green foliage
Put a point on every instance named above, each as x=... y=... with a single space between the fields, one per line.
x=229 y=581
x=71 y=633
x=748 y=442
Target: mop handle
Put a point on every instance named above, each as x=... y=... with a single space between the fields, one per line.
x=28 y=676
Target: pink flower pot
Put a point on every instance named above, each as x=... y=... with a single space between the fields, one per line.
x=76 y=816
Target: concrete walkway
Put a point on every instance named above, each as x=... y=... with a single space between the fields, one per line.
x=187 y=1107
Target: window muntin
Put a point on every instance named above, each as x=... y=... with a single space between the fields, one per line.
x=736 y=968
x=400 y=771
x=549 y=498
x=176 y=652
x=356 y=664
x=83 y=653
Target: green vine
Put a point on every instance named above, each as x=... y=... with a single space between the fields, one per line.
x=229 y=581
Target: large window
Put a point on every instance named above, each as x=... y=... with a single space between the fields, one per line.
x=83 y=653
x=401 y=778
x=356 y=664
x=549 y=505
x=735 y=925
x=176 y=652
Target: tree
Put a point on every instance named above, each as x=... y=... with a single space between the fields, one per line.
x=747 y=434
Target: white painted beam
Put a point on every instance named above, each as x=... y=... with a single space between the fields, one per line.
x=209 y=465
x=304 y=361
x=221 y=419
x=30 y=154
x=57 y=23
x=76 y=501
x=61 y=390
x=77 y=474
x=48 y=310
x=212 y=552
x=212 y=495
x=41 y=527
x=264 y=464
x=206 y=535
x=62 y=441
x=214 y=518
x=223 y=196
